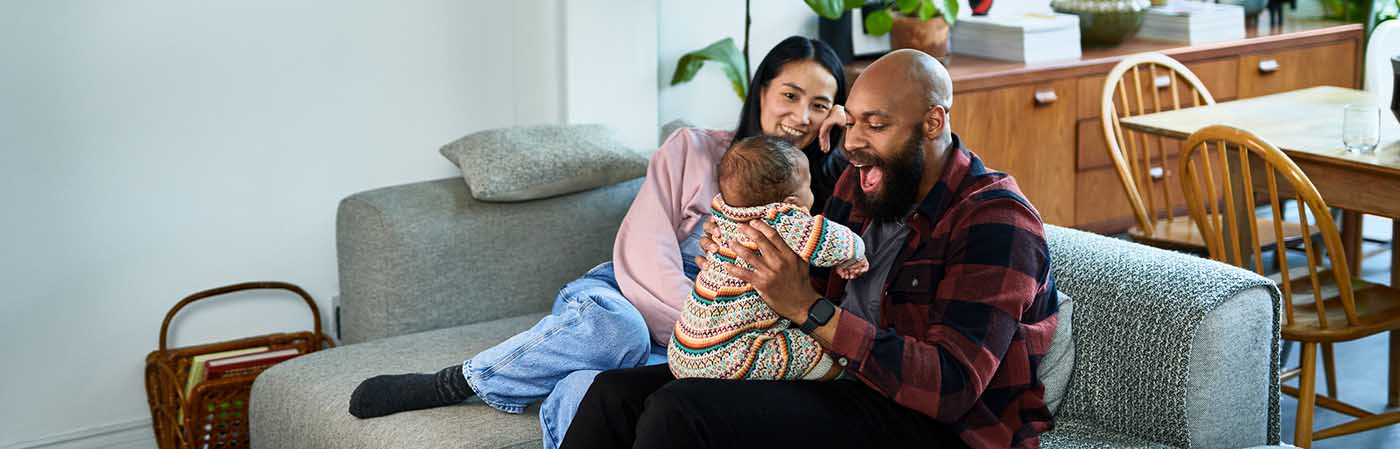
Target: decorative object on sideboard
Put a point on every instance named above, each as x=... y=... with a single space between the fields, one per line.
x=1104 y=23
x=1252 y=8
x=1193 y=23
x=1030 y=38
x=848 y=34
x=980 y=7
x=1276 y=11
x=918 y=24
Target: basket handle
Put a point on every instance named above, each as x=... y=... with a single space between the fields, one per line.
x=315 y=312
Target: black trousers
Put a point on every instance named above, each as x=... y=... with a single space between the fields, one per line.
x=648 y=408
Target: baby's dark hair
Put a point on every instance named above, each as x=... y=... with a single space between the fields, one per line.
x=760 y=170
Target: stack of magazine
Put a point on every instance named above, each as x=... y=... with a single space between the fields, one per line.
x=1028 y=38
x=1190 y=22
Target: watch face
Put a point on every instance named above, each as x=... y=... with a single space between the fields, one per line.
x=822 y=311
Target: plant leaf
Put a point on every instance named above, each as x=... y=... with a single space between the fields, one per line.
x=906 y=7
x=927 y=10
x=722 y=52
x=831 y=9
x=950 y=11
x=879 y=22
x=853 y=4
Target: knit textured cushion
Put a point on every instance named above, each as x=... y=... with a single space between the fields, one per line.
x=527 y=163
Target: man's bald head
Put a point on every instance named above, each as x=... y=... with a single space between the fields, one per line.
x=898 y=132
x=909 y=74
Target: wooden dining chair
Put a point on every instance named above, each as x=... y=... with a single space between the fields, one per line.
x=1324 y=304
x=1144 y=84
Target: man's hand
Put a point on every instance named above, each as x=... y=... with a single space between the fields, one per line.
x=853 y=269
x=779 y=274
x=707 y=244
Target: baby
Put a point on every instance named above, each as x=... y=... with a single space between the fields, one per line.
x=725 y=330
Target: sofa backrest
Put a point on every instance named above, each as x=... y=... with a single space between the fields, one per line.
x=427 y=255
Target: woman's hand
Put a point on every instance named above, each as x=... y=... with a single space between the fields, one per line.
x=837 y=117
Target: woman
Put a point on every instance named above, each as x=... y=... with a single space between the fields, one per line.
x=620 y=314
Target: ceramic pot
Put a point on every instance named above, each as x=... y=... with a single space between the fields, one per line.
x=1104 y=23
x=929 y=36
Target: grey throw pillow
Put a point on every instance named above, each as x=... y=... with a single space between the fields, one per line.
x=527 y=163
x=1058 y=364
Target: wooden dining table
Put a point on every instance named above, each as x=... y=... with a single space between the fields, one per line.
x=1307 y=125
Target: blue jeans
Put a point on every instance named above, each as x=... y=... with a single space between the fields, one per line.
x=591 y=328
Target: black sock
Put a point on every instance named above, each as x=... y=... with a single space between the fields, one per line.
x=389 y=394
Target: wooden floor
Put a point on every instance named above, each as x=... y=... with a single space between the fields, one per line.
x=1361 y=368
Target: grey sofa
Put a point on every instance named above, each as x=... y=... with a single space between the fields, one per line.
x=1172 y=350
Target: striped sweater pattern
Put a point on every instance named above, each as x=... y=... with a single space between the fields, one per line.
x=726 y=331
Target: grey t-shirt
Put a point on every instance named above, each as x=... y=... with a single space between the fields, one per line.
x=883 y=241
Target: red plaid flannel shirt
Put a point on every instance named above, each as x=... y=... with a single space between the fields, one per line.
x=967 y=312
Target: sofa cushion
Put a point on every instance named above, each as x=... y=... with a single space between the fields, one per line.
x=1058 y=363
x=303 y=403
x=526 y=163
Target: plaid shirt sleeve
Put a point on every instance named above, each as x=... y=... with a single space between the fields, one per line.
x=995 y=263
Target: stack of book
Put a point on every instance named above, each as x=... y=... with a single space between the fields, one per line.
x=239 y=362
x=1193 y=23
x=1028 y=38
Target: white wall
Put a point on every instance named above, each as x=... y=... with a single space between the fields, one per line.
x=708 y=100
x=153 y=148
x=610 y=55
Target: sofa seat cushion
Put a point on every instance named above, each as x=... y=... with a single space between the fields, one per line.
x=303 y=403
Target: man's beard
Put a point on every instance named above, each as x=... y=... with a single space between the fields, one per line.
x=898 y=191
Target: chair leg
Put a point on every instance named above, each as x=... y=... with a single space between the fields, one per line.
x=1393 y=398
x=1329 y=368
x=1351 y=240
x=1302 y=433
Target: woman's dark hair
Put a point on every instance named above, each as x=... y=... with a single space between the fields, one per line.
x=796 y=48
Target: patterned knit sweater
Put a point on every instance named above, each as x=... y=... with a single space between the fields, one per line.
x=726 y=331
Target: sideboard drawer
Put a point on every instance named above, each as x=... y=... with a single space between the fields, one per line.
x=1325 y=65
x=1219 y=76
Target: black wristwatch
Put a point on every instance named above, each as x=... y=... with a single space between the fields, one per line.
x=818 y=315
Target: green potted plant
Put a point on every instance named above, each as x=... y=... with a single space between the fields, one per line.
x=918 y=24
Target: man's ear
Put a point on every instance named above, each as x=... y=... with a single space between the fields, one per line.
x=934 y=120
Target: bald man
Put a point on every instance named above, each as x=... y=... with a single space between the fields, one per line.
x=940 y=339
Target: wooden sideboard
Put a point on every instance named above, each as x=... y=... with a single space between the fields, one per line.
x=1040 y=122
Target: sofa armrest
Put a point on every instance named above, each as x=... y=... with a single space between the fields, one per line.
x=427 y=255
x=1169 y=347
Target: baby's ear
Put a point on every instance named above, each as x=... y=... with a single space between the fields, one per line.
x=793 y=200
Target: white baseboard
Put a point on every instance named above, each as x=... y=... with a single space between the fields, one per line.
x=133 y=434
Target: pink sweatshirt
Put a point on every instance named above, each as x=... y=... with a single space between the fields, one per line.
x=673 y=199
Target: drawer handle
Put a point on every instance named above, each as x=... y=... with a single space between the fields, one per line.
x=1162 y=81
x=1268 y=66
x=1045 y=96
x=1156 y=173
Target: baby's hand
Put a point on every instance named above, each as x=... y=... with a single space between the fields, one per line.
x=853 y=270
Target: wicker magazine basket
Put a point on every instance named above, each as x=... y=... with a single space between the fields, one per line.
x=214 y=414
